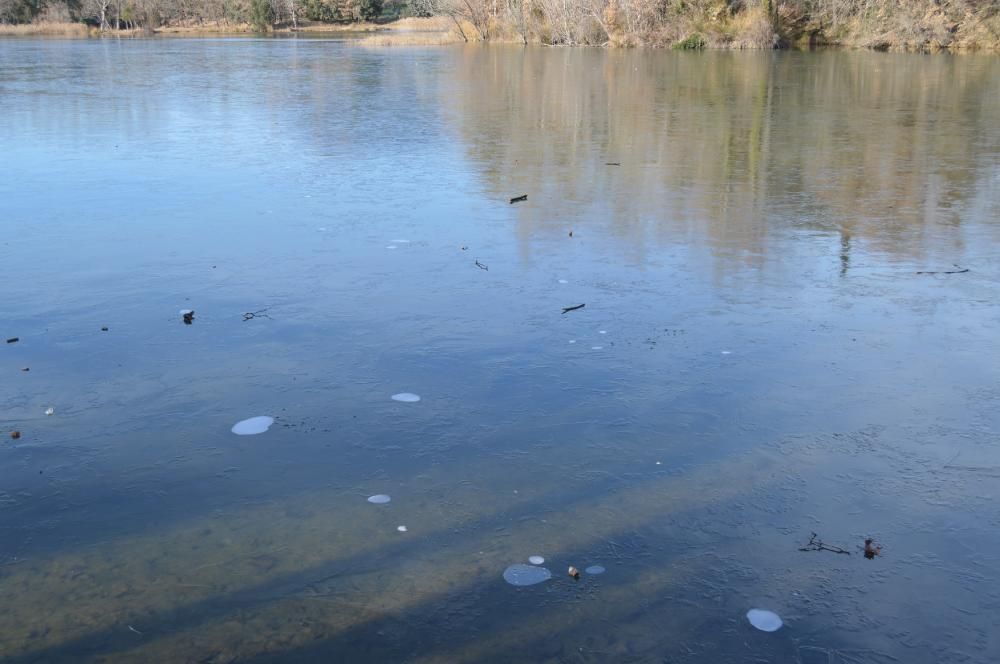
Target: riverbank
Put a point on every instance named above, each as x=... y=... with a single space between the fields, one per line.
x=881 y=25
x=921 y=27
x=67 y=29
x=46 y=29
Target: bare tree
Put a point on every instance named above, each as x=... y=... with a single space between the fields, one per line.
x=98 y=10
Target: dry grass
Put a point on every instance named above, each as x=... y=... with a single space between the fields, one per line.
x=753 y=30
x=306 y=26
x=206 y=27
x=431 y=24
x=46 y=29
x=434 y=31
x=412 y=39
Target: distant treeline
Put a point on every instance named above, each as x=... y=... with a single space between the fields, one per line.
x=261 y=14
x=876 y=24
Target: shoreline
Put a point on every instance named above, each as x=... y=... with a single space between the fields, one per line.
x=440 y=31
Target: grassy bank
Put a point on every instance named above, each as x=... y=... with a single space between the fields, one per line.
x=434 y=31
x=219 y=27
x=45 y=28
x=76 y=30
x=890 y=25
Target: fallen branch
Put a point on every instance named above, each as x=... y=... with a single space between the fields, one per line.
x=818 y=545
x=566 y=310
x=518 y=199
x=481 y=266
x=960 y=270
x=256 y=314
x=612 y=163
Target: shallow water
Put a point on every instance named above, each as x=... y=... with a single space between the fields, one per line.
x=774 y=363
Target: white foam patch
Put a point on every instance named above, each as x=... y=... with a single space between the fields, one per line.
x=563 y=281
x=526 y=575
x=391 y=246
x=400 y=241
x=536 y=560
x=401 y=529
x=602 y=332
x=597 y=348
x=572 y=341
x=253 y=425
x=406 y=397
x=379 y=499
x=595 y=569
x=764 y=620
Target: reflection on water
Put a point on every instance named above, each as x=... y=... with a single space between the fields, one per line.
x=770 y=365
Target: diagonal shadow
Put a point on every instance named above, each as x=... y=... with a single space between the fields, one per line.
x=112 y=640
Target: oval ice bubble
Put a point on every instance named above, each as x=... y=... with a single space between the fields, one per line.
x=764 y=620
x=253 y=425
x=526 y=575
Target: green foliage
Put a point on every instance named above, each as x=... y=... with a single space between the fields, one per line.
x=367 y=10
x=261 y=15
x=20 y=11
x=236 y=11
x=693 y=42
x=320 y=10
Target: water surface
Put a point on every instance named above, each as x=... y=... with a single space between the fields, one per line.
x=772 y=364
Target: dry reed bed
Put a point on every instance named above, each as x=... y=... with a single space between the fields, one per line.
x=45 y=29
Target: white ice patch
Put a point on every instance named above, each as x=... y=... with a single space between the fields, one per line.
x=526 y=575
x=253 y=426
x=765 y=621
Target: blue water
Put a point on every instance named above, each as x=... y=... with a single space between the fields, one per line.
x=773 y=364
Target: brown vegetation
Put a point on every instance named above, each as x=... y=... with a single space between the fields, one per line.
x=757 y=24
x=45 y=28
x=688 y=24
